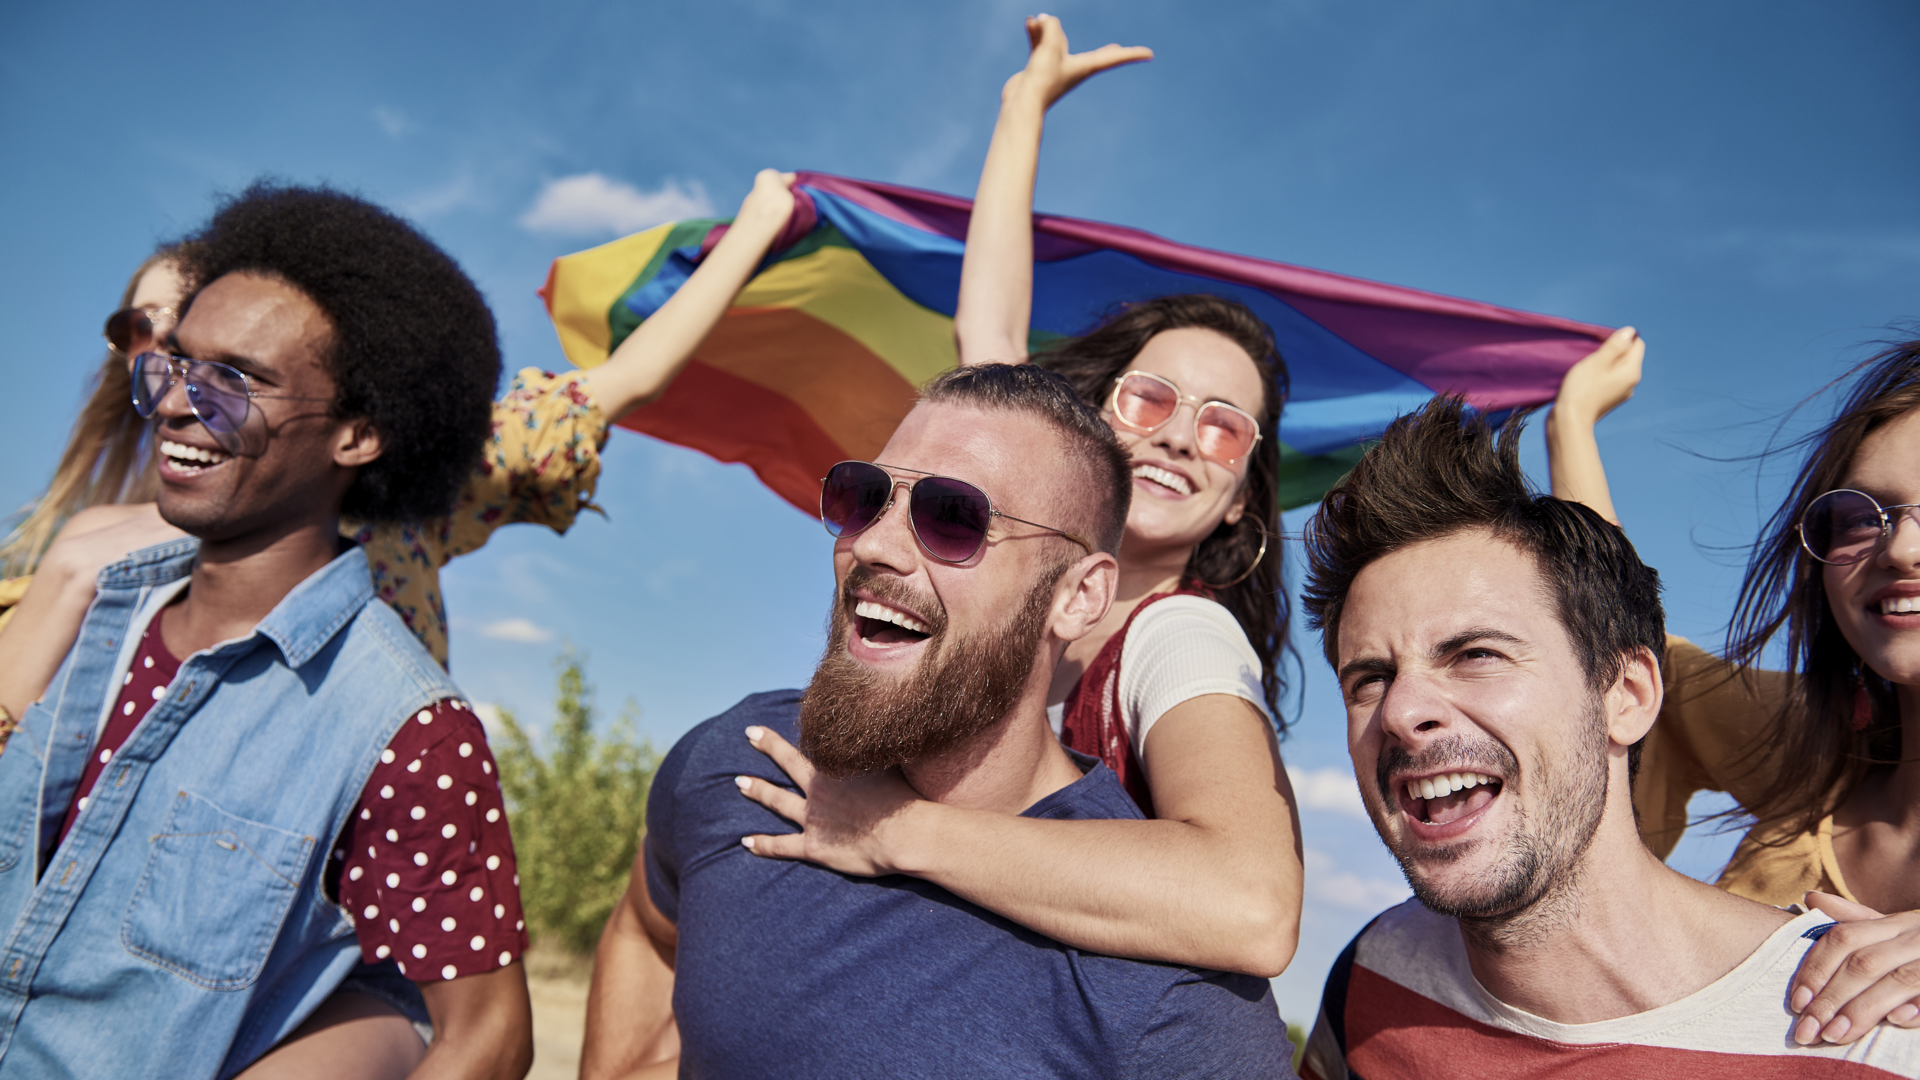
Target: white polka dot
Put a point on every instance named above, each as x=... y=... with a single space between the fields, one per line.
x=369 y=852
x=127 y=680
x=448 y=877
x=393 y=925
x=393 y=881
x=418 y=812
x=419 y=858
x=486 y=767
x=83 y=802
x=127 y=709
x=472 y=798
x=386 y=791
x=414 y=765
x=449 y=973
x=355 y=874
x=105 y=756
x=519 y=924
x=445 y=781
x=159 y=692
x=372 y=912
x=393 y=837
x=493 y=814
x=478 y=943
x=339 y=853
x=458 y=705
x=472 y=847
x=419 y=952
x=148 y=661
x=382 y=953
x=516 y=881
x=505 y=959
x=475 y=894
x=425 y=717
x=386 y=756
x=366 y=815
x=419 y=903
x=448 y=924
x=448 y=831
x=466 y=749
x=403 y=967
x=499 y=911
x=493 y=862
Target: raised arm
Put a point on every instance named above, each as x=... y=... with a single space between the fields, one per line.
x=645 y=364
x=630 y=1028
x=996 y=276
x=1214 y=882
x=1592 y=388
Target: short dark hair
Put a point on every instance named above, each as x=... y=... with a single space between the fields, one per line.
x=1446 y=468
x=413 y=348
x=1090 y=442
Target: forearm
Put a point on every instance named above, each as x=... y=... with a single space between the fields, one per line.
x=630 y=1025
x=1211 y=897
x=1573 y=462
x=996 y=276
x=42 y=631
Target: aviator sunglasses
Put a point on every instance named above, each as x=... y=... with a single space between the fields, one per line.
x=950 y=517
x=1845 y=526
x=220 y=396
x=133 y=330
x=1146 y=402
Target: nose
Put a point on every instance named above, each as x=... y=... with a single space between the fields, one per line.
x=1902 y=549
x=1177 y=434
x=174 y=405
x=888 y=542
x=1414 y=710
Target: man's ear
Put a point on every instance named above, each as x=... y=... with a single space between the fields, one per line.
x=1082 y=596
x=1633 y=702
x=356 y=443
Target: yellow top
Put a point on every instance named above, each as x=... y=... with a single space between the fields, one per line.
x=541 y=463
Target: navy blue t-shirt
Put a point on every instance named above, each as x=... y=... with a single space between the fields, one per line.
x=787 y=970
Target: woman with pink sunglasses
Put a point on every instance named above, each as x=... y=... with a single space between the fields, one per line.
x=1177 y=690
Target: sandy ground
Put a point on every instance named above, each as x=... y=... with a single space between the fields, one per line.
x=559 y=1018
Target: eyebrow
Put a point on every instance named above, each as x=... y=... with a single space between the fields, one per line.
x=244 y=364
x=1380 y=665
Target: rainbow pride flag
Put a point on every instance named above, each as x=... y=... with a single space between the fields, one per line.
x=822 y=354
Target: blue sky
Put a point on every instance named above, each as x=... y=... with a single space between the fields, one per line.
x=1741 y=181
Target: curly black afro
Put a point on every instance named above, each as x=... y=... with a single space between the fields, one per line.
x=414 y=349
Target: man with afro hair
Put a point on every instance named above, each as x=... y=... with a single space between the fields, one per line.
x=249 y=789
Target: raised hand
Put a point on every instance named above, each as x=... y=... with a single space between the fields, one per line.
x=770 y=202
x=1604 y=380
x=1052 y=71
x=1864 y=971
x=844 y=824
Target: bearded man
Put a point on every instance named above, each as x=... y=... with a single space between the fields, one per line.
x=1499 y=656
x=965 y=562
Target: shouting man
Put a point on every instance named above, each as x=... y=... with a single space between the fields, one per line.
x=967 y=558
x=1499 y=655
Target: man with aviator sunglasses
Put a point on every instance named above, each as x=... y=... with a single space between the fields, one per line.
x=964 y=561
x=249 y=789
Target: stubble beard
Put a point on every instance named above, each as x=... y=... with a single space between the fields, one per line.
x=854 y=720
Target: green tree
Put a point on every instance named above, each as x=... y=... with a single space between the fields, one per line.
x=577 y=803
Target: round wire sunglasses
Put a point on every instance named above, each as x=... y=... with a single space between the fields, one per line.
x=219 y=395
x=1845 y=526
x=949 y=517
x=132 y=330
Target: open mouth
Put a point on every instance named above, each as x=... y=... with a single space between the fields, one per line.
x=191 y=460
x=1166 y=478
x=1900 y=605
x=880 y=625
x=1448 y=797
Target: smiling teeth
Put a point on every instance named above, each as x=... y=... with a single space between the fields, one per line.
x=180 y=452
x=1164 y=477
x=1434 y=787
x=867 y=609
x=1900 y=605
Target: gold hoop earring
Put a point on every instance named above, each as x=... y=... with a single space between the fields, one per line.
x=1259 y=555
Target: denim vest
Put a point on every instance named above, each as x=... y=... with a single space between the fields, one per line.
x=182 y=927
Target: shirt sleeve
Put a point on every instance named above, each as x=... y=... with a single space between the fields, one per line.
x=426 y=865
x=1206 y=1027
x=1178 y=649
x=541 y=462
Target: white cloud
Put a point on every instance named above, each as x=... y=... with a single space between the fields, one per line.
x=519 y=630
x=1330 y=788
x=1344 y=888
x=489 y=714
x=590 y=204
x=392 y=121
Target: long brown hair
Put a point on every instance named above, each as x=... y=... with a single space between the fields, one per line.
x=1093 y=361
x=108 y=458
x=1820 y=751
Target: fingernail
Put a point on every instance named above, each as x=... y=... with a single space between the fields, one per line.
x=1905 y=1014
x=742 y=782
x=1801 y=996
x=1807 y=1030
x=747 y=842
x=754 y=734
x=1838 y=1029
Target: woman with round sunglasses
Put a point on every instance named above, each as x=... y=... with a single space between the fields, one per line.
x=1822 y=756
x=1177 y=690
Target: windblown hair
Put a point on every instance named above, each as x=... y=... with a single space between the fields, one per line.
x=1095 y=361
x=108 y=458
x=412 y=349
x=1089 y=441
x=1446 y=469
x=1820 y=756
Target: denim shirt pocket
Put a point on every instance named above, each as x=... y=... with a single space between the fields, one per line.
x=214 y=894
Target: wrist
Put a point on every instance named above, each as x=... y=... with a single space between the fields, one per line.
x=907 y=839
